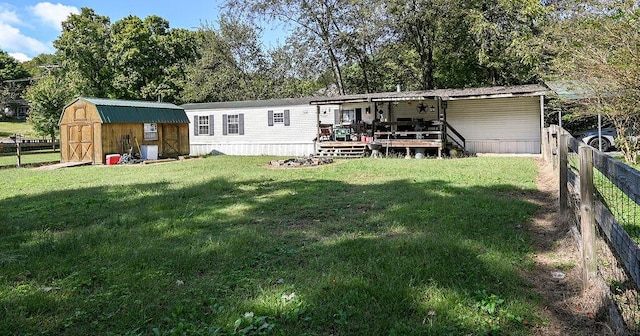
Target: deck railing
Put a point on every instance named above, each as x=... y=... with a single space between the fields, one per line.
x=458 y=139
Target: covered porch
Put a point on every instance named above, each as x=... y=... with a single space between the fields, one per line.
x=413 y=122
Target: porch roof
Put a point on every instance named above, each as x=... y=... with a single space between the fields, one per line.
x=443 y=94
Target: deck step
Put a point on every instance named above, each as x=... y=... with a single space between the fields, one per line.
x=342 y=150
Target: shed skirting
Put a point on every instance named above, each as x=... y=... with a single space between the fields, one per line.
x=276 y=149
x=504 y=146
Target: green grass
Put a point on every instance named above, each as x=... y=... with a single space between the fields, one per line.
x=29 y=159
x=9 y=128
x=227 y=246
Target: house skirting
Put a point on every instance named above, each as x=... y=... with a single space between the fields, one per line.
x=503 y=146
x=249 y=148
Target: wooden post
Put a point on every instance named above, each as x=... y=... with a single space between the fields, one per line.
x=554 y=149
x=318 y=131
x=563 y=152
x=18 y=151
x=587 y=216
x=545 y=144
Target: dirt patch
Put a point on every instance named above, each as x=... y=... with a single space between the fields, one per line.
x=556 y=274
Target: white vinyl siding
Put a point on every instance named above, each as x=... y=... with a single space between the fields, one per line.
x=498 y=125
x=259 y=138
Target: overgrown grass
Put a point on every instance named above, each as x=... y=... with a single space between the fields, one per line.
x=224 y=245
x=9 y=128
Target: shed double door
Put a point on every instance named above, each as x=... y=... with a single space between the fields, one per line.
x=170 y=140
x=80 y=145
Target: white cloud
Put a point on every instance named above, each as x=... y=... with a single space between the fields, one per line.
x=8 y=16
x=11 y=39
x=53 y=15
x=20 y=56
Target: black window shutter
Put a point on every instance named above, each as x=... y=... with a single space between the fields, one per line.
x=224 y=124
x=287 y=120
x=336 y=114
x=241 y=124
x=358 y=114
x=196 y=126
x=211 y=124
x=270 y=121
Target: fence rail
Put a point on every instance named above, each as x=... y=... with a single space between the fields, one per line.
x=28 y=145
x=599 y=206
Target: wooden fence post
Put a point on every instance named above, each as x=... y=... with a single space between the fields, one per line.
x=18 y=154
x=587 y=216
x=545 y=144
x=563 y=152
x=555 y=133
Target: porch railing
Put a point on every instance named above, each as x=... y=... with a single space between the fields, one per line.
x=458 y=139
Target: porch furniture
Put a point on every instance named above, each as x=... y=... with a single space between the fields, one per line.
x=342 y=133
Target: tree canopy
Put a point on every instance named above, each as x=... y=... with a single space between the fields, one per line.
x=596 y=46
x=12 y=80
x=129 y=59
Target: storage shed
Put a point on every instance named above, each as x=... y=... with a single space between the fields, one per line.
x=92 y=128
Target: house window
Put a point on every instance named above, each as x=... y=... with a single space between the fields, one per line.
x=233 y=124
x=278 y=117
x=151 y=131
x=203 y=125
x=348 y=116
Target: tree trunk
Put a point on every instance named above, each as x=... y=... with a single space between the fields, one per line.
x=365 y=75
x=426 y=58
x=335 y=64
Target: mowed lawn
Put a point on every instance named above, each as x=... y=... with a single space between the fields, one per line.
x=228 y=246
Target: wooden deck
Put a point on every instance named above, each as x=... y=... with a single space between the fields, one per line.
x=412 y=143
x=342 y=149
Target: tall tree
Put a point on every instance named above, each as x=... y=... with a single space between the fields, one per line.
x=47 y=98
x=419 y=24
x=83 y=46
x=148 y=58
x=233 y=66
x=501 y=32
x=313 y=20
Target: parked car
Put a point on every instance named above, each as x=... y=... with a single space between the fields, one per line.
x=590 y=137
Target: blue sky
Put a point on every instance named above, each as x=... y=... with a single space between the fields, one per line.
x=28 y=28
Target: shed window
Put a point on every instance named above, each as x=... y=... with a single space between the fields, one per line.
x=151 y=131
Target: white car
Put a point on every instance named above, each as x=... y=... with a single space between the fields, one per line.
x=590 y=137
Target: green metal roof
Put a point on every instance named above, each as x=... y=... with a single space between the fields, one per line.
x=130 y=111
x=571 y=89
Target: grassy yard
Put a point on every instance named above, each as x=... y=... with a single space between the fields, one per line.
x=9 y=128
x=227 y=246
